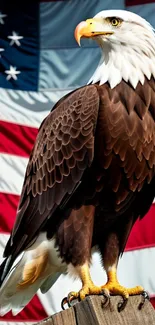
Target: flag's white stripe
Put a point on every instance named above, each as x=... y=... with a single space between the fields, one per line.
x=12 y=173
x=135 y=268
x=3 y=240
x=27 y=108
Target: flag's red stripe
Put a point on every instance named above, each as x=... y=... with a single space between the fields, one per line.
x=138 y=2
x=8 y=207
x=33 y=312
x=16 y=139
x=153 y=301
x=142 y=234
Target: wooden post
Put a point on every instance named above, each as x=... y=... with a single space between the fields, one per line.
x=92 y=312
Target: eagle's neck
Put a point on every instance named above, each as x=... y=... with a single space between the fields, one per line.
x=130 y=63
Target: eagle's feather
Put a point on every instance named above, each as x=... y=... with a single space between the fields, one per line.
x=91 y=174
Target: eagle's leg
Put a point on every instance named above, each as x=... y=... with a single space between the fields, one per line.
x=88 y=287
x=78 y=231
x=110 y=261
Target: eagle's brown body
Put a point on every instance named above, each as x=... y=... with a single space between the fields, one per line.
x=91 y=172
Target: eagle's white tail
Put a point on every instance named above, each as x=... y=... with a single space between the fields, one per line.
x=37 y=267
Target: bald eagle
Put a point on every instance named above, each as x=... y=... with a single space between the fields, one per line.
x=91 y=173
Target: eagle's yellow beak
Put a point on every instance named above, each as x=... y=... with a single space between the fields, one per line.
x=88 y=28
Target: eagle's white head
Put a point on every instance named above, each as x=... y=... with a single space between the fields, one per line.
x=128 y=46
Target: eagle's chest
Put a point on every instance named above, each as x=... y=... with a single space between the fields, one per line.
x=124 y=142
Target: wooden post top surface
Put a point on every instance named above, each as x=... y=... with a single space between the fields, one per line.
x=91 y=312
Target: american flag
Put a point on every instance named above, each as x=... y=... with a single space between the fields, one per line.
x=39 y=63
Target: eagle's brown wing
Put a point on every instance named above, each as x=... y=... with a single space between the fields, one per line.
x=64 y=148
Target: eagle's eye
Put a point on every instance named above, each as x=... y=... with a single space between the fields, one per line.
x=115 y=21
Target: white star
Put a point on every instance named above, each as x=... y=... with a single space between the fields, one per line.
x=15 y=39
x=1 y=50
x=1 y=18
x=12 y=73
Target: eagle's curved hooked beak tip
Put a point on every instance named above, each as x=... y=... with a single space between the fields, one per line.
x=89 y=28
x=80 y=30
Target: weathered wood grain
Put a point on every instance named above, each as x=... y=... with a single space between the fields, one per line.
x=92 y=312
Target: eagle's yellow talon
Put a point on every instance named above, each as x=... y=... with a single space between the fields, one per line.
x=73 y=295
x=87 y=289
x=67 y=300
x=116 y=289
x=91 y=289
x=112 y=287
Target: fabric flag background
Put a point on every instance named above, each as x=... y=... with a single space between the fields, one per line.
x=39 y=63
